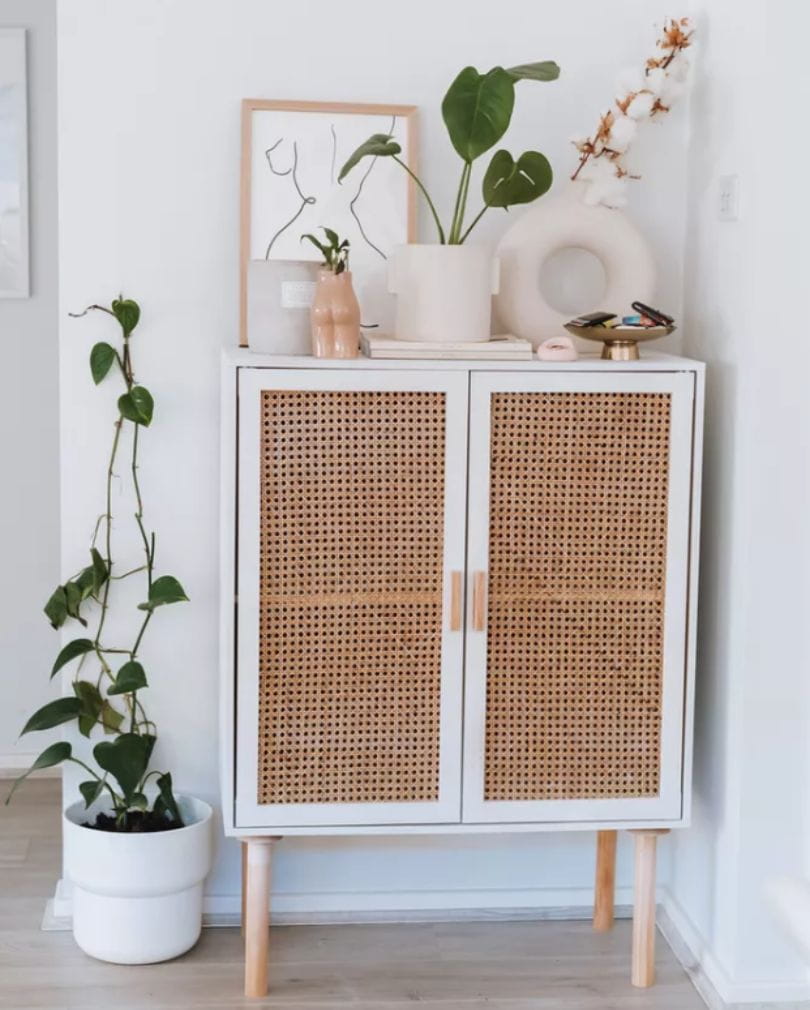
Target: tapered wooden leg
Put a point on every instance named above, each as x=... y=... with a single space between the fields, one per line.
x=244 y=885
x=643 y=970
x=605 y=889
x=257 y=915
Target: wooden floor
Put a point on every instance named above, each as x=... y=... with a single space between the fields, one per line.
x=500 y=966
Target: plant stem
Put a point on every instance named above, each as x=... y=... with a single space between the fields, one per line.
x=108 y=539
x=475 y=221
x=461 y=203
x=418 y=182
x=146 y=620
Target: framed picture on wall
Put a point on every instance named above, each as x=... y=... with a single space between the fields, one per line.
x=14 y=270
x=292 y=154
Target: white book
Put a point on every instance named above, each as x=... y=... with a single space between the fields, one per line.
x=504 y=348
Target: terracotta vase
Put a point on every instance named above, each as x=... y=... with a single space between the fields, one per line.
x=335 y=316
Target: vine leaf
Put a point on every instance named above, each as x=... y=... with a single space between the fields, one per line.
x=53 y=714
x=53 y=755
x=78 y=647
x=126 y=759
x=131 y=677
x=137 y=405
x=164 y=590
x=166 y=802
x=56 y=607
x=91 y=790
x=100 y=572
x=91 y=705
x=111 y=719
x=102 y=357
x=127 y=312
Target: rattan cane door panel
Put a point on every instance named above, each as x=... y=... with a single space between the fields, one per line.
x=578 y=540
x=354 y=712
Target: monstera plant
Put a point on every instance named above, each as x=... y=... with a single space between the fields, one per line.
x=108 y=680
x=477 y=110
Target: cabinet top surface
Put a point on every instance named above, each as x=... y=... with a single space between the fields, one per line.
x=650 y=361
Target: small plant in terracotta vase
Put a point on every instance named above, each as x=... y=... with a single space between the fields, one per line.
x=335 y=312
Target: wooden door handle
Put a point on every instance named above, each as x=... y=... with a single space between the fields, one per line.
x=479 y=600
x=455 y=601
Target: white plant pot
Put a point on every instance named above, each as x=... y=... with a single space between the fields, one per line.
x=137 y=898
x=444 y=292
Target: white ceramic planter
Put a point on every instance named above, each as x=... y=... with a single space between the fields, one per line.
x=137 y=898
x=444 y=292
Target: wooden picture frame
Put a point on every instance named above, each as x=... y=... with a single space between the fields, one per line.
x=250 y=106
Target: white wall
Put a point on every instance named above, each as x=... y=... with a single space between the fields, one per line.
x=744 y=281
x=29 y=414
x=148 y=146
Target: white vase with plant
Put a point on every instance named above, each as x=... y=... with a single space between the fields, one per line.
x=135 y=852
x=444 y=290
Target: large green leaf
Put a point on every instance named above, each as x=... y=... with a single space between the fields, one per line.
x=53 y=755
x=101 y=358
x=53 y=714
x=131 y=677
x=164 y=590
x=91 y=790
x=126 y=758
x=545 y=71
x=91 y=702
x=379 y=145
x=508 y=182
x=477 y=109
x=78 y=647
x=56 y=607
x=127 y=312
x=137 y=405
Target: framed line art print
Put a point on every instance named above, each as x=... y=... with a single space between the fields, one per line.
x=292 y=154
x=14 y=268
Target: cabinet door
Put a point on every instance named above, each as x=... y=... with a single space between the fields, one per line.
x=352 y=493
x=580 y=489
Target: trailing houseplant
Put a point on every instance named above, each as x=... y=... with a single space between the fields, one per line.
x=335 y=312
x=121 y=795
x=443 y=291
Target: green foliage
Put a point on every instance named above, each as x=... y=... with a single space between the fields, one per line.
x=334 y=251
x=123 y=761
x=477 y=110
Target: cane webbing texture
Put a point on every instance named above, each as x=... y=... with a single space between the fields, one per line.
x=577 y=569
x=350 y=627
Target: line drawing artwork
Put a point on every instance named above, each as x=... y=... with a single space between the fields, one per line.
x=293 y=172
x=357 y=195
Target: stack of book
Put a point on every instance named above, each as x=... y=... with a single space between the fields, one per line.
x=500 y=348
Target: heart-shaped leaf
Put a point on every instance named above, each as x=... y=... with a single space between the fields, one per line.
x=91 y=790
x=508 y=182
x=137 y=405
x=126 y=758
x=53 y=714
x=78 y=647
x=127 y=312
x=545 y=71
x=166 y=802
x=53 y=755
x=91 y=705
x=85 y=582
x=111 y=719
x=131 y=677
x=379 y=145
x=56 y=607
x=100 y=573
x=101 y=358
x=164 y=590
x=477 y=109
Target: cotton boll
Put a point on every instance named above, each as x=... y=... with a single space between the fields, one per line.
x=629 y=80
x=655 y=80
x=622 y=133
x=641 y=105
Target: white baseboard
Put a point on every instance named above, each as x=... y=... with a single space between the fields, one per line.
x=309 y=908
x=709 y=976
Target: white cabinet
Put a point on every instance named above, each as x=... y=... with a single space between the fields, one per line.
x=464 y=594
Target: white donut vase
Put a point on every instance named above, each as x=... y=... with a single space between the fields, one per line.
x=565 y=222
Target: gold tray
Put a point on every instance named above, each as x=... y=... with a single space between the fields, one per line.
x=621 y=346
